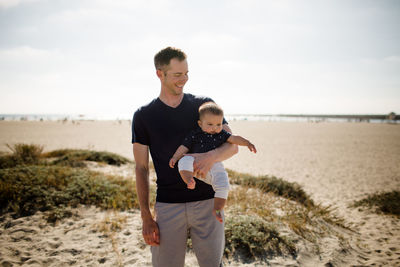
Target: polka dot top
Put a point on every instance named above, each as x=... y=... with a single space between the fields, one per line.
x=198 y=141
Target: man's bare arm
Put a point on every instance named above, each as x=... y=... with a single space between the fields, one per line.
x=204 y=161
x=150 y=229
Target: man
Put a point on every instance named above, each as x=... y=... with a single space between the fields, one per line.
x=159 y=127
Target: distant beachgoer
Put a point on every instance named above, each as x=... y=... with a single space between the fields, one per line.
x=160 y=127
x=208 y=136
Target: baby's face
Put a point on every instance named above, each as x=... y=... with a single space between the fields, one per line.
x=211 y=123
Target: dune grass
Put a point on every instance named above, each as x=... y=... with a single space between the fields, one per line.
x=255 y=238
x=27 y=189
x=29 y=154
x=266 y=184
x=386 y=202
x=278 y=201
x=71 y=157
x=31 y=181
x=21 y=154
x=28 y=183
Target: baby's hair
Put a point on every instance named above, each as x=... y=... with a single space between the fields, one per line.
x=210 y=108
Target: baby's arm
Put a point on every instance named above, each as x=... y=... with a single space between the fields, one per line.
x=182 y=150
x=238 y=140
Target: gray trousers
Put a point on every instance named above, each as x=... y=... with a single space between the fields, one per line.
x=174 y=221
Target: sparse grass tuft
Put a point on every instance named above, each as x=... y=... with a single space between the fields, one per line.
x=110 y=226
x=27 y=189
x=255 y=238
x=27 y=154
x=388 y=203
x=292 y=191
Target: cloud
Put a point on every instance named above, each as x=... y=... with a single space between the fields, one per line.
x=25 y=53
x=394 y=59
x=22 y=60
x=9 y=3
x=4 y=4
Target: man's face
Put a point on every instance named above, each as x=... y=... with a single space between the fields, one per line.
x=175 y=76
x=211 y=123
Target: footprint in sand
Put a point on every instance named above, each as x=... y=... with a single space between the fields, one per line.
x=6 y=264
x=130 y=262
x=72 y=251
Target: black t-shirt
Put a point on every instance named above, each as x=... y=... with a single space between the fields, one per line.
x=198 y=141
x=163 y=128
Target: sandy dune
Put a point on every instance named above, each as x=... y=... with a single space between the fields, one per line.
x=336 y=163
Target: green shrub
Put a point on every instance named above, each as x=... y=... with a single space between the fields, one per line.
x=388 y=202
x=74 y=157
x=7 y=161
x=27 y=189
x=292 y=191
x=254 y=238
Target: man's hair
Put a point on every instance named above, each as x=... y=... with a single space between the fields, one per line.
x=210 y=108
x=163 y=58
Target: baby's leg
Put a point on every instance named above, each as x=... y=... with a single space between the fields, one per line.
x=185 y=166
x=187 y=177
x=220 y=185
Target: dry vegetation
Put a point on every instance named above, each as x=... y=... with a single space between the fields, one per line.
x=266 y=216
x=386 y=202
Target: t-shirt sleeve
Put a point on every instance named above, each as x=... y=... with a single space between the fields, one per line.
x=225 y=135
x=139 y=133
x=188 y=140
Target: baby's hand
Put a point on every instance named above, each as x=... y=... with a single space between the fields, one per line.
x=172 y=162
x=251 y=147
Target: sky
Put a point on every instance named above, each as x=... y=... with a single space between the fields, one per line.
x=250 y=56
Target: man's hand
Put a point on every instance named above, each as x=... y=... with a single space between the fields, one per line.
x=202 y=163
x=218 y=215
x=150 y=232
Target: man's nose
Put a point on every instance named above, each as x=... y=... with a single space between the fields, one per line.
x=184 y=78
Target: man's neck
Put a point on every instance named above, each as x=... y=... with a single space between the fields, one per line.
x=171 y=100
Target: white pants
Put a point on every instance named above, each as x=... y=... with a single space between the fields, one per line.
x=217 y=176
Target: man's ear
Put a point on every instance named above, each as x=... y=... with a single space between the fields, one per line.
x=159 y=73
x=199 y=122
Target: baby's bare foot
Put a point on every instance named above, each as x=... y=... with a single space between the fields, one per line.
x=191 y=184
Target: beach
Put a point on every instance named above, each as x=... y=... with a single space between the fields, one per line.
x=335 y=163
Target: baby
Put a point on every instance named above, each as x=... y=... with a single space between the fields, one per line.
x=209 y=136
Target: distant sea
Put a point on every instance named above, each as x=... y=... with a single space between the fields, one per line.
x=229 y=117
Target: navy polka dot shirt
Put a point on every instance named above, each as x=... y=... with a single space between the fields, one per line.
x=198 y=141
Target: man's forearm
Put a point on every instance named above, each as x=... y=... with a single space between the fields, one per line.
x=225 y=152
x=143 y=189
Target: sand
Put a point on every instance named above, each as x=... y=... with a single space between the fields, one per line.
x=336 y=163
